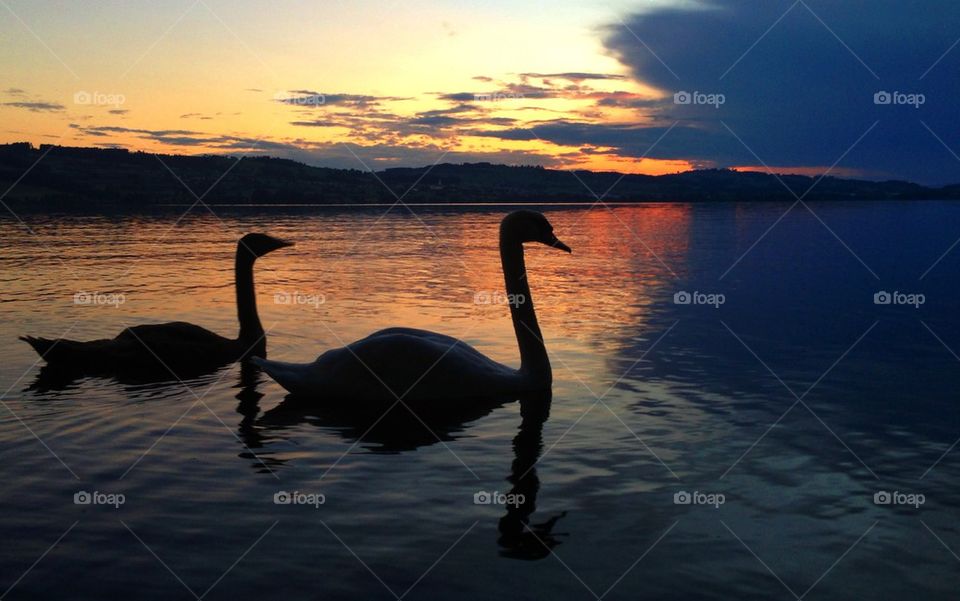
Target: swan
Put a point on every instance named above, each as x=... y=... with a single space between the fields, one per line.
x=426 y=366
x=180 y=346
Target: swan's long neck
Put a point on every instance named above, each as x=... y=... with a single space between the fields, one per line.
x=250 y=328
x=533 y=355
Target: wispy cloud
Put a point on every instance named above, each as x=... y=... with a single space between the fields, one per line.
x=36 y=107
x=575 y=76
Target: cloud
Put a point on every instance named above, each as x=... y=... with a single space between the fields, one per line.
x=36 y=107
x=505 y=90
x=458 y=96
x=318 y=123
x=115 y=129
x=799 y=90
x=15 y=92
x=311 y=98
x=173 y=137
x=628 y=140
x=575 y=77
x=370 y=119
x=382 y=156
x=118 y=111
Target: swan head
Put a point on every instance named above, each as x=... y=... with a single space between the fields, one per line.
x=258 y=245
x=530 y=226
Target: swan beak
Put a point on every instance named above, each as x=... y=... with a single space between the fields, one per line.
x=557 y=244
x=285 y=243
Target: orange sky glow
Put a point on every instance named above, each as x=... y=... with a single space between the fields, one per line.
x=364 y=85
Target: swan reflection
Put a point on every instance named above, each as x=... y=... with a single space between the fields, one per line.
x=400 y=428
x=388 y=428
x=519 y=538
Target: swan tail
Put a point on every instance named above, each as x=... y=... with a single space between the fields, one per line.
x=41 y=345
x=61 y=350
x=291 y=376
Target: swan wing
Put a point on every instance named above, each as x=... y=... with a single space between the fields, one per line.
x=396 y=363
x=414 y=332
x=393 y=338
x=178 y=333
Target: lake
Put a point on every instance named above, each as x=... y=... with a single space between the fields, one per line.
x=737 y=411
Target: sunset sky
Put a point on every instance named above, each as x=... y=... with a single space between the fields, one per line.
x=564 y=83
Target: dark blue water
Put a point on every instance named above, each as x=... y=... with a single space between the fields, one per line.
x=795 y=402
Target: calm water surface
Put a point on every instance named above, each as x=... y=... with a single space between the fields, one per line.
x=797 y=400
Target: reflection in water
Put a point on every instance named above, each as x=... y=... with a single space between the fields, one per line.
x=392 y=428
x=518 y=538
x=58 y=378
x=249 y=407
x=404 y=428
x=683 y=387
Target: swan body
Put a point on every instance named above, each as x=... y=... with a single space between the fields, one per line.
x=133 y=346
x=397 y=362
x=178 y=346
x=407 y=363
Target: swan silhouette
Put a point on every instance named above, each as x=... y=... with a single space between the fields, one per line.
x=184 y=348
x=425 y=366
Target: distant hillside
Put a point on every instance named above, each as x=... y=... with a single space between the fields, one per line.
x=91 y=176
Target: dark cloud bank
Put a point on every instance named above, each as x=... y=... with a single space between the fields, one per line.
x=805 y=92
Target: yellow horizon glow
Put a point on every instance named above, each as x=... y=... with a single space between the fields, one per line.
x=203 y=78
